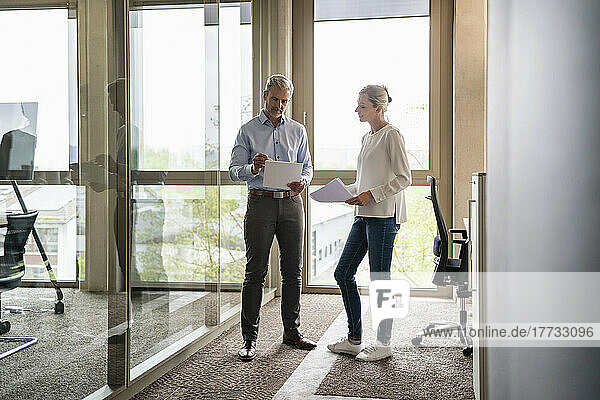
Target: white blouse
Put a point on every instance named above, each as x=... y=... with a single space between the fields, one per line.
x=383 y=170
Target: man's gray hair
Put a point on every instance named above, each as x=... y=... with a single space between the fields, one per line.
x=279 y=81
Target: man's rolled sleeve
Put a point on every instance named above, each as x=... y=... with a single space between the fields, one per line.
x=304 y=158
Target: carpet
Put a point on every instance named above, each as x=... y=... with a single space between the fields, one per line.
x=214 y=372
x=70 y=359
x=438 y=370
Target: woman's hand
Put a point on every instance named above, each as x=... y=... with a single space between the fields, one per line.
x=362 y=199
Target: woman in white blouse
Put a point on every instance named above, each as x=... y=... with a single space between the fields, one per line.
x=381 y=176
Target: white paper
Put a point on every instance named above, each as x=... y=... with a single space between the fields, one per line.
x=278 y=174
x=334 y=192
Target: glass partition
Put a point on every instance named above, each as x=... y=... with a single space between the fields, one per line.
x=136 y=114
x=175 y=265
x=69 y=361
x=174 y=56
x=191 y=81
x=40 y=65
x=233 y=249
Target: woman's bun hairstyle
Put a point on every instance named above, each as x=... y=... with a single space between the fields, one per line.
x=378 y=95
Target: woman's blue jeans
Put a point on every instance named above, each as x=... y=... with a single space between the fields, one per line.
x=375 y=235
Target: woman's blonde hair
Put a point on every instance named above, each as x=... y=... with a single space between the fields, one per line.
x=377 y=95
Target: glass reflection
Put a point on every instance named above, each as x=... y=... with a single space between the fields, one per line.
x=175 y=265
x=233 y=248
x=18 y=122
x=188 y=253
x=75 y=344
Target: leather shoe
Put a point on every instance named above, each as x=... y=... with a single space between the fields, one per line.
x=299 y=342
x=247 y=351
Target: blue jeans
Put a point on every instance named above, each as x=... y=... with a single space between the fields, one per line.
x=377 y=236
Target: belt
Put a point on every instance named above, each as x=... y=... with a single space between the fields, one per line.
x=275 y=195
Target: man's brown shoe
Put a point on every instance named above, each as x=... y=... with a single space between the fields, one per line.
x=299 y=342
x=248 y=350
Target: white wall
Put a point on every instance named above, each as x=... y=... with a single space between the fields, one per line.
x=543 y=138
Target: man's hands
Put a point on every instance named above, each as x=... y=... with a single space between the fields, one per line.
x=258 y=162
x=362 y=199
x=297 y=187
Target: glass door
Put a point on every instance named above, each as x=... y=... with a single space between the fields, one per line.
x=191 y=76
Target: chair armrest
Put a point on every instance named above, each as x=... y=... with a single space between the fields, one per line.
x=463 y=232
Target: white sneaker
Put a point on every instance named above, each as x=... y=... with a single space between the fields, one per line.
x=375 y=352
x=344 y=346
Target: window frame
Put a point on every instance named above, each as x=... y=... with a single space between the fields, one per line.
x=207 y=177
x=54 y=177
x=37 y=4
x=440 y=118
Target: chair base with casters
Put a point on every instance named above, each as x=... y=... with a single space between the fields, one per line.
x=449 y=272
x=12 y=270
x=441 y=329
x=27 y=341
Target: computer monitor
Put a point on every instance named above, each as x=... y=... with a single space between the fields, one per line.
x=18 y=124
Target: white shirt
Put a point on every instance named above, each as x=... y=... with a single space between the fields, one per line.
x=383 y=170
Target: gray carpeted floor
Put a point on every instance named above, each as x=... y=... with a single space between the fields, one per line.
x=438 y=370
x=423 y=373
x=214 y=372
x=69 y=362
x=70 y=359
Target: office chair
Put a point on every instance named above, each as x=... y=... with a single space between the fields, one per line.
x=449 y=272
x=12 y=269
x=17 y=151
